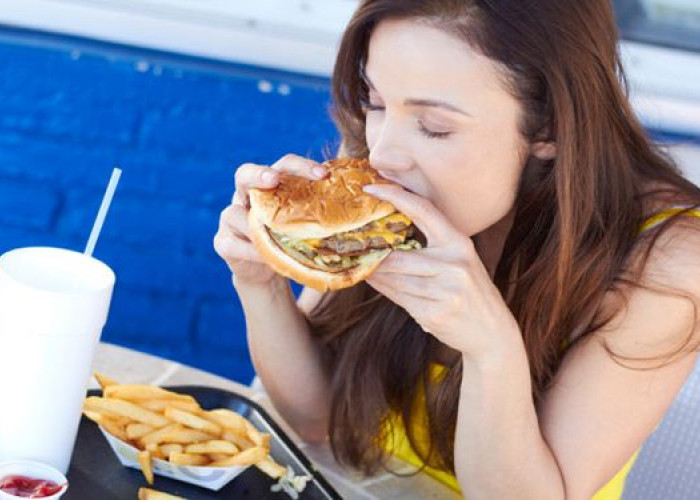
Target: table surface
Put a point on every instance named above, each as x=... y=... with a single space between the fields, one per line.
x=129 y=366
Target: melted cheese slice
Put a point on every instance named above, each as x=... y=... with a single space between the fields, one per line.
x=380 y=230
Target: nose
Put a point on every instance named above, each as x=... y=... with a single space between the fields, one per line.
x=387 y=153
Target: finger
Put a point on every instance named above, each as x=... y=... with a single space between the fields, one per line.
x=235 y=219
x=416 y=287
x=300 y=166
x=413 y=263
x=402 y=299
x=238 y=200
x=233 y=249
x=250 y=175
x=431 y=222
x=387 y=291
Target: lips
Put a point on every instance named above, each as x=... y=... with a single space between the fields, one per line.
x=396 y=181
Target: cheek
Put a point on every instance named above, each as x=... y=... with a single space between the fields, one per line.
x=372 y=128
x=476 y=190
x=497 y=161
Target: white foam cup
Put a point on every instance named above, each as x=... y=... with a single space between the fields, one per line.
x=53 y=306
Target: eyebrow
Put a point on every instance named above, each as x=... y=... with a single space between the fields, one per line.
x=432 y=103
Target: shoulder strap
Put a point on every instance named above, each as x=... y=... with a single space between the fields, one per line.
x=661 y=216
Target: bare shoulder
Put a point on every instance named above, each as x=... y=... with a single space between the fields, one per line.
x=634 y=366
x=662 y=311
x=675 y=257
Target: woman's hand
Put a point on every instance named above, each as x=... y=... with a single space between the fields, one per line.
x=444 y=287
x=232 y=240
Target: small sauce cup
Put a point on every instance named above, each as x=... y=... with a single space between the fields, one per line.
x=34 y=470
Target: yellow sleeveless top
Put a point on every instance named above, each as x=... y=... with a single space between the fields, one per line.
x=398 y=445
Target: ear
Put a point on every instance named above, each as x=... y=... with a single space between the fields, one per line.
x=543 y=150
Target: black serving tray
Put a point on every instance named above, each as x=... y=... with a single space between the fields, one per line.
x=96 y=474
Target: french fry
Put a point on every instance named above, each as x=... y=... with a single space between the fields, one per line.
x=271 y=468
x=124 y=409
x=149 y=494
x=263 y=440
x=192 y=421
x=214 y=457
x=112 y=424
x=231 y=420
x=114 y=429
x=98 y=418
x=144 y=458
x=247 y=457
x=93 y=415
x=120 y=421
x=179 y=435
x=227 y=419
x=187 y=459
x=135 y=392
x=92 y=411
x=155 y=451
x=256 y=436
x=104 y=381
x=159 y=435
x=215 y=446
x=159 y=405
x=241 y=441
x=167 y=449
x=136 y=430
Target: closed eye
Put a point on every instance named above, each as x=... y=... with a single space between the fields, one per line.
x=371 y=107
x=432 y=134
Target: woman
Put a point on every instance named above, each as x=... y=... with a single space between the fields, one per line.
x=536 y=342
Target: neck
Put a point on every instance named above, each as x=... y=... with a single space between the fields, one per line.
x=490 y=242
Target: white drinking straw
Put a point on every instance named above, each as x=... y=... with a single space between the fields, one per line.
x=102 y=212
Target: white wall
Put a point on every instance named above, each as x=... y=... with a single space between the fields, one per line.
x=688 y=158
x=296 y=35
x=302 y=35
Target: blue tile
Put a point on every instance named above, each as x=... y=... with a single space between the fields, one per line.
x=178 y=127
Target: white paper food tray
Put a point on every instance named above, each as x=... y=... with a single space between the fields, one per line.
x=213 y=478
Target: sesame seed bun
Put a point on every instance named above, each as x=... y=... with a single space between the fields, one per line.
x=303 y=209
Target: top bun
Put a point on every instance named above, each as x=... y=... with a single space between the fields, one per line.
x=301 y=208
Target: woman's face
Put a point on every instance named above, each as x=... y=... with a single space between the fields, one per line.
x=441 y=123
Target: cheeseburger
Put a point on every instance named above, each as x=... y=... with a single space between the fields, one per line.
x=327 y=234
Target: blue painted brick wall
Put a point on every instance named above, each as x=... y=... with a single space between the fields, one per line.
x=71 y=109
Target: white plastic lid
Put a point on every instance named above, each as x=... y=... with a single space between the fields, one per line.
x=54 y=291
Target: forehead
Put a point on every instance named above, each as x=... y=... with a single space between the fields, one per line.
x=419 y=59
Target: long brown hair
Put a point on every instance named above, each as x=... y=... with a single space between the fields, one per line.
x=575 y=222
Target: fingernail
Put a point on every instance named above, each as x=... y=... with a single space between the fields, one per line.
x=269 y=177
x=319 y=172
x=370 y=189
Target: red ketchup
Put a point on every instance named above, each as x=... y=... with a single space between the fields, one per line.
x=28 y=487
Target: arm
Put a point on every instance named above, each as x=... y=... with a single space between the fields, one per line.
x=286 y=357
x=284 y=353
x=499 y=448
x=597 y=413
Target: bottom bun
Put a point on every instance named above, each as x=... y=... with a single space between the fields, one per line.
x=284 y=264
